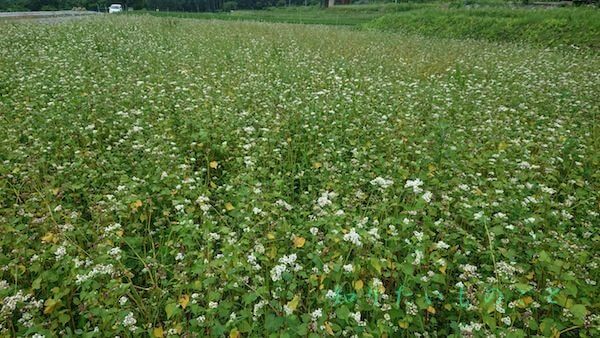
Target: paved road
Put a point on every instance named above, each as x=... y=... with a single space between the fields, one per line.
x=45 y=16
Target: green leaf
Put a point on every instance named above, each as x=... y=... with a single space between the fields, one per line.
x=302 y=329
x=342 y=312
x=273 y=323
x=578 y=310
x=63 y=318
x=490 y=322
x=171 y=309
x=376 y=264
x=523 y=288
x=36 y=283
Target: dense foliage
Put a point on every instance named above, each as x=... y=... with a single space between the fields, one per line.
x=172 y=177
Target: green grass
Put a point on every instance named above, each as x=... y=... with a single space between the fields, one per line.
x=352 y=15
x=490 y=21
x=168 y=177
x=545 y=27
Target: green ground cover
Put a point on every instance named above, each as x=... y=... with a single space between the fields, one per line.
x=168 y=177
x=492 y=21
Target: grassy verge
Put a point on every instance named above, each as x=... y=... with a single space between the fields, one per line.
x=353 y=15
x=547 y=27
x=541 y=26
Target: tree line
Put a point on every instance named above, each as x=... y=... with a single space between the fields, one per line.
x=163 y=5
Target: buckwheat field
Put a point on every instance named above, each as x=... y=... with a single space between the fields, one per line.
x=175 y=178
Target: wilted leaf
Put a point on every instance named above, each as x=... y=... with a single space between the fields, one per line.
x=158 y=332
x=51 y=305
x=293 y=304
x=229 y=206
x=328 y=329
x=135 y=205
x=214 y=164
x=234 y=333
x=358 y=285
x=299 y=242
x=184 y=300
x=49 y=237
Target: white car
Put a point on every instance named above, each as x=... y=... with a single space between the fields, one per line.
x=115 y=8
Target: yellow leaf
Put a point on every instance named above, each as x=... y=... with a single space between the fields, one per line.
x=51 y=305
x=55 y=191
x=135 y=205
x=299 y=242
x=317 y=165
x=49 y=237
x=403 y=325
x=158 y=332
x=213 y=185
x=524 y=302
x=270 y=236
x=431 y=310
x=293 y=304
x=229 y=206
x=234 y=333
x=328 y=329
x=184 y=300
x=214 y=164
x=358 y=285
x=502 y=146
x=431 y=169
x=443 y=269
x=447 y=306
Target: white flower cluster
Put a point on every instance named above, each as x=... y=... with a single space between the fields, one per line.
x=129 y=322
x=285 y=205
x=60 y=252
x=467 y=329
x=9 y=304
x=382 y=182
x=284 y=262
x=356 y=316
x=353 y=237
x=203 y=202
x=325 y=199
x=468 y=271
x=257 y=307
x=315 y=315
x=113 y=228
x=415 y=185
x=252 y=260
x=99 y=269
